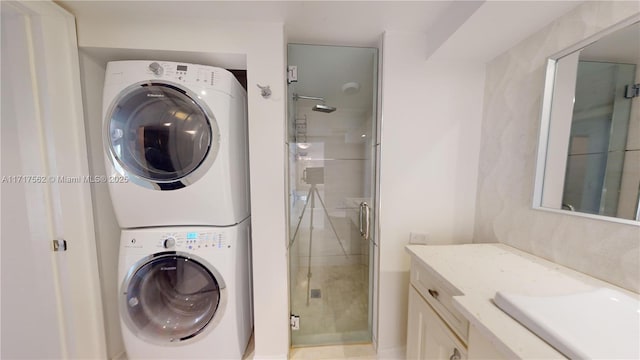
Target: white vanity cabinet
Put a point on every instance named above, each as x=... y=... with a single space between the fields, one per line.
x=451 y=303
x=435 y=329
x=428 y=336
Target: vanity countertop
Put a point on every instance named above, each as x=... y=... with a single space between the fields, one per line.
x=478 y=271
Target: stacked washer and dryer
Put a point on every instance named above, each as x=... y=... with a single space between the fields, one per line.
x=177 y=160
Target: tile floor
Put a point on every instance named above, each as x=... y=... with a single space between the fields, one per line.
x=333 y=352
x=356 y=352
x=340 y=314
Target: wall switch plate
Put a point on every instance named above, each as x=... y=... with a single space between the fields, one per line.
x=295 y=322
x=418 y=238
x=292 y=74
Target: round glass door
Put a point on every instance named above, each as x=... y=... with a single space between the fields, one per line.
x=159 y=133
x=172 y=298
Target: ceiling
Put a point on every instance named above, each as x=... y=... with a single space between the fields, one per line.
x=457 y=30
x=498 y=24
x=358 y=23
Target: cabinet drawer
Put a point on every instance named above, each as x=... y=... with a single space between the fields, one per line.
x=439 y=294
x=428 y=337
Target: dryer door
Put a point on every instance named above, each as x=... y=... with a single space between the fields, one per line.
x=160 y=135
x=172 y=297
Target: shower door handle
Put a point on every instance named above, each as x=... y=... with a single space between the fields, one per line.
x=364 y=220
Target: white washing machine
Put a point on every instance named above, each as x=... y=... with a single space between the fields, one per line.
x=185 y=292
x=175 y=138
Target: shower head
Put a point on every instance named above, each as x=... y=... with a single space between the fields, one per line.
x=304 y=97
x=323 y=108
x=319 y=107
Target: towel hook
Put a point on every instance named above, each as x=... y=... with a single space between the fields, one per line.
x=265 y=91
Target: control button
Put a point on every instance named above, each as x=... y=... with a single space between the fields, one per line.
x=156 y=68
x=169 y=242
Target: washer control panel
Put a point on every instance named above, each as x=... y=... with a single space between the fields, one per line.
x=193 y=240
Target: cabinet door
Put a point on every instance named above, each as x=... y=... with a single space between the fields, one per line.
x=428 y=337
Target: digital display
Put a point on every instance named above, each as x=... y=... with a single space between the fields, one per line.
x=192 y=235
x=182 y=67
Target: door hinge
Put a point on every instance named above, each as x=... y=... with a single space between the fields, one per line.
x=294 y=321
x=59 y=245
x=632 y=91
x=292 y=74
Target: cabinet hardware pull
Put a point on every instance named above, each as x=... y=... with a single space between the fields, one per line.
x=455 y=355
x=59 y=245
x=433 y=293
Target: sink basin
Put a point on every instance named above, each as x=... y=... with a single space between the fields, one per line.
x=599 y=324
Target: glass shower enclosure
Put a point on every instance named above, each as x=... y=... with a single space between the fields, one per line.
x=332 y=144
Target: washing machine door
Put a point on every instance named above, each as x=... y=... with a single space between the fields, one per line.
x=170 y=298
x=160 y=135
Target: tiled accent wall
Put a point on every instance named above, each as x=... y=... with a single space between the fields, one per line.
x=513 y=98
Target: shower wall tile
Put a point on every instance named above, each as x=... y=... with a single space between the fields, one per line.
x=513 y=95
x=326 y=249
x=344 y=167
x=344 y=179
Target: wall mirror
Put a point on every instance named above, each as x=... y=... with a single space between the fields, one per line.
x=589 y=148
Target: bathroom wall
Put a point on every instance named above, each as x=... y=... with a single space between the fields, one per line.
x=106 y=226
x=263 y=46
x=514 y=85
x=430 y=144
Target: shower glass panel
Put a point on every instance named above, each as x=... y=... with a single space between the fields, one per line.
x=332 y=141
x=598 y=139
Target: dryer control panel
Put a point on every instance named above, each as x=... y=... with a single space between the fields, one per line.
x=184 y=73
x=193 y=240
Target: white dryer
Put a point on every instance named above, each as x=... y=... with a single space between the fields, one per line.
x=175 y=138
x=185 y=292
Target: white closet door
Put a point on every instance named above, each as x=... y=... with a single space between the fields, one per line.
x=51 y=306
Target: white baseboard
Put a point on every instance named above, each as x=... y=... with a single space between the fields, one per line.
x=399 y=353
x=120 y=356
x=277 y=357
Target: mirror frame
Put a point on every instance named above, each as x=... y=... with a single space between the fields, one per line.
x=545 y=123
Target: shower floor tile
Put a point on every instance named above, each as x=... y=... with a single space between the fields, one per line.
x=340 y=315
